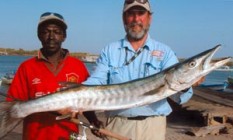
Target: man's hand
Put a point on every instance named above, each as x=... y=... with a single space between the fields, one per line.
x=64 y=111
x=93 y=120
x=97 y=124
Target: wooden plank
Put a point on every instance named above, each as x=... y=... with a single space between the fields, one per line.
x=203 y=131
x=213 y=97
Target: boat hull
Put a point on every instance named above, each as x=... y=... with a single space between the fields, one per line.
x=6 y=81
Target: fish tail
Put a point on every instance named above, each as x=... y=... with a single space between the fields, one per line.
x=7 y=122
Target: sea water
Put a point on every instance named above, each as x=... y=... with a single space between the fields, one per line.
x=11 y=63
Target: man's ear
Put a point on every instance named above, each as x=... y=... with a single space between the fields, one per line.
x=64 y=38
x=150 y=17
x=39 y=36
x=123 y=18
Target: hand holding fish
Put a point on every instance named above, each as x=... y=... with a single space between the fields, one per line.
x=67 y=111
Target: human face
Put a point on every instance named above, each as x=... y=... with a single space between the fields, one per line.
x=51 y=37
x=137 y=22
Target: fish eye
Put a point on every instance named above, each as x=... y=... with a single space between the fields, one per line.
x=192 y=64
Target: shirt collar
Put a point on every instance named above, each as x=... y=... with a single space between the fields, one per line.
x=40 y=55
x=148 y=44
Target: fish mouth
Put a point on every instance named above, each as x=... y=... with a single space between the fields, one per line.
x=211 y=64
x=194 y=68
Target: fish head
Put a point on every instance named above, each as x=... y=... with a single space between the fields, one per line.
x=184 y=74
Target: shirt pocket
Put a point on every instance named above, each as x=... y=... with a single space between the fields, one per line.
x=152 y=68
x=117 y=74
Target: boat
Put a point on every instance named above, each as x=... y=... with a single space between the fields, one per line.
x=217 y=87
x=224 y=68
x=90 y=58
x=3 y=53
x=230 y=81
x=0 y=82
x=8 y=78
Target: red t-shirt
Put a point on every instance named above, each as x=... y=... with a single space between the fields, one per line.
x=34 y=79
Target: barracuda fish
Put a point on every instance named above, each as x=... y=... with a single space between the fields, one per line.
x=117 y=96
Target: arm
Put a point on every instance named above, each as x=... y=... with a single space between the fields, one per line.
x=100 y=74
x=92 y=118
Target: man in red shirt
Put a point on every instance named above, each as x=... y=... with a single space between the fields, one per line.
x=41 y=75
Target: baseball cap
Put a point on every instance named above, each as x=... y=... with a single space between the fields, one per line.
x=54 y=18
x=142 y=3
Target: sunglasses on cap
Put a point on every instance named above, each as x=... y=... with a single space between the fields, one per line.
x=139 y=1
x=54 y=14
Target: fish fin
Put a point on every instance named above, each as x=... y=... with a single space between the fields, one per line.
x=7 y=122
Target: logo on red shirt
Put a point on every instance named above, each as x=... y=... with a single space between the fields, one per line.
x=72 y=77
x=36 y=81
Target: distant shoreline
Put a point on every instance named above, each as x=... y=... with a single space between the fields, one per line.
x=22 y=52
x=81 y=55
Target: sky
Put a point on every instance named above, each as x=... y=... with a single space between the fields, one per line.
x=187 y=26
